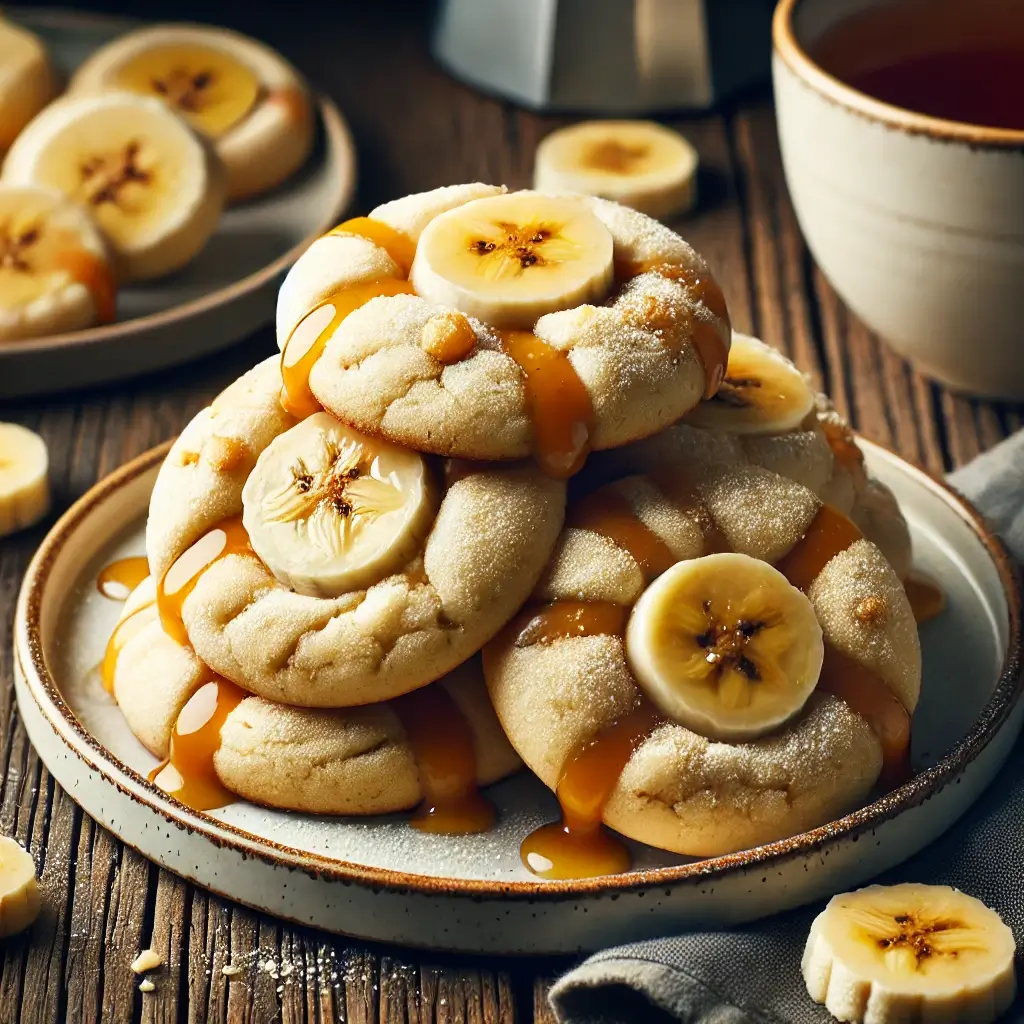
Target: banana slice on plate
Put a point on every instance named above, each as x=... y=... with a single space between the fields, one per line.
x=330 y=510
x=55 y=271
x=762 y=393
x=19 y=891
x=243 y=96
x=26 y=80
x=910 y=952
x=153 y=186
x=637 y=163
x=509 y=259
x=725 y=646
x=24 y=481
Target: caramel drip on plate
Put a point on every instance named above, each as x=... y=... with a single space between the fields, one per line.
x=856 y=685
x=398 y=245
x=188 y=773
x=443 y=746
x=120 y=578
x=702 y=288
x=926 y=597
x=579 y=846
x=126 y=628
x=559 y=404
x=95 y=274
x=609 y=513
x=562 y=619
x=306 y=343
x=180 y=579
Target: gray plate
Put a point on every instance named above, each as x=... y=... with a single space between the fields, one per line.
x=228 y=291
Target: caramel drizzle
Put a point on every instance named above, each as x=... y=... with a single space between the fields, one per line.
x=306 y=343
x=188 y=773
x=829 y=534
x=125 y=629
x=95 y=274
x=117 y=580
x=181 y=577
x=703 y=289
x=309 y=338
x=445 y=753
x=609 y=513
x=927 y=599
x=558 y=403
x=579 y=845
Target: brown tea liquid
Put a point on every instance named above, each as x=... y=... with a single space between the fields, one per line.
x=951 y=59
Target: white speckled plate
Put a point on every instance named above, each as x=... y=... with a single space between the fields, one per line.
x=380 y=879
x=225 y=293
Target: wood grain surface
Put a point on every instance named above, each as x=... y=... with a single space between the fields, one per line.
x=415 y=128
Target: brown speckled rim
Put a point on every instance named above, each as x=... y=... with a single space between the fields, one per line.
x=791 y=51
x=337 y=139
x=45 y=692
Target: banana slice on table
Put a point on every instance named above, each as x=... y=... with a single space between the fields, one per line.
x=330 y=510
x=243 y=96
x=26 y=80
x=19 y=891
x=762 y=393
x=55 y=272
x=509 y=259
x=637 y=163
x=24 y=480
x=153 y=186
x=910 y=952
x=725 y=646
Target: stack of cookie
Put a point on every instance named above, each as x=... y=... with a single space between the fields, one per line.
x=713 y=647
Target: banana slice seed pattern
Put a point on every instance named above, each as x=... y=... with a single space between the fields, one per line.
x=578 y=845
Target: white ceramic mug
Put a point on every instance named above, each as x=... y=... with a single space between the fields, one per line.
x=917 y=222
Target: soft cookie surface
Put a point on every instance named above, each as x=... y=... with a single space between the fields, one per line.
x=639 y=344
x=357 y=761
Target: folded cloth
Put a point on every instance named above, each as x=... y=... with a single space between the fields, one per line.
x=751 y=975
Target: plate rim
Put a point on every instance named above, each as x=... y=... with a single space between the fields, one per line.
x=44 y=691
x=337 y=137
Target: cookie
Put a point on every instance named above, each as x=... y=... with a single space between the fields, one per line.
x=480 y=324
x=359 y=761
x=315 y=566
x=590 y=654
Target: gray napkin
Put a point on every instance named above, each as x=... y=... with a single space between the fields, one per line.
x=751 y=975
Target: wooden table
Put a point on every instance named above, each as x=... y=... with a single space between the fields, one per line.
x=415 y=129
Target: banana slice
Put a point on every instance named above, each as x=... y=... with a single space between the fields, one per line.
x=509 y=259
x=24 y=481
x=55 y=274
x=763 y=393
x=725 y=646
x=155 y=189
x=243 y=96
x=26 y=80
x=19 y=892
x=637 y=163
x=921 y=953
x=330 y=510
